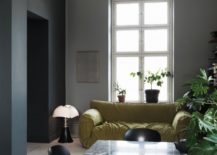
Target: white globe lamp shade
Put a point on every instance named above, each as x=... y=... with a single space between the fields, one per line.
x=66 y=111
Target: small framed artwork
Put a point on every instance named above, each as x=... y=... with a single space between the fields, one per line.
x=87 y=66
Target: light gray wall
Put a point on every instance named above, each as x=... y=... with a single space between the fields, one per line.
x=88 y=30
x=194 y=20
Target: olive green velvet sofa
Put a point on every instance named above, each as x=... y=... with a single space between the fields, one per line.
x=109 y=121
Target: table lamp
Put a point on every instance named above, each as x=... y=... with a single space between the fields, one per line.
x=66 y=112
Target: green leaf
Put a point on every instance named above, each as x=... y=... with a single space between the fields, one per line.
x=206 y=126
x=133 y=74
x=198 y=88
x=213 y=97
x=204 y=148
x=212 y=138
x=203 y=74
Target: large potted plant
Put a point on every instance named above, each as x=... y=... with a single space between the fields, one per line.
x=121 y=92
x=201 y=101
x=202 y=133
x=152 y=78
x=199 y=95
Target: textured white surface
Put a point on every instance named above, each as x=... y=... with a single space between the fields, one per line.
x=111 y=147
x=42 y=148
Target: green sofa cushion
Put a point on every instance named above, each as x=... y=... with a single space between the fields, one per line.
x=135 y=112
x=116 y=130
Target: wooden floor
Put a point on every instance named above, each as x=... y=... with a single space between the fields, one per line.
x=42 y=148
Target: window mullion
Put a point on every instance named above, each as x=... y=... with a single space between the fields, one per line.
x=141 y=59
x=114 y=66
x=171 y=46
x=113 y=48
x=155 y=26
x=125 y=54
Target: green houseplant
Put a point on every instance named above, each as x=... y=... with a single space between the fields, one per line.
x=202 y=133
x=121 y=92
x=152 y=78
x=199 y=95
x=201 y=100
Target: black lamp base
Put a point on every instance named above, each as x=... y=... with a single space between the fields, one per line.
x=65 y=136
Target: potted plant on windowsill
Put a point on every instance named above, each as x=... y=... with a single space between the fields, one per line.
x=151 y=78
x=121 y=92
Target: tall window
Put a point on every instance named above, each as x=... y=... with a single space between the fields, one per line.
x=141 y=41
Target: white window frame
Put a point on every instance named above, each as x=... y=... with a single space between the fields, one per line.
x=141 y=54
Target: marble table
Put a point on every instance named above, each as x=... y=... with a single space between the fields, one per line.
x=118 y=147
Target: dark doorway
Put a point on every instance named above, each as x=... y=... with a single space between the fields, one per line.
x=37 y=79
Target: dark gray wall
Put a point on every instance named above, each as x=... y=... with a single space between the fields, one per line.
x=5 y=76
x=88 y=30
x=54 y=12
x=19 y=76
x=13 y=76
x=37 y=80
x=13 y=58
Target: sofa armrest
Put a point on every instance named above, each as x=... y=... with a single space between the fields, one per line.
x=181 y=121
x=87 y=122
x=92 y=115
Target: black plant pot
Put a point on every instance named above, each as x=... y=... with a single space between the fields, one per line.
x=152 y=95
x=181 y=146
